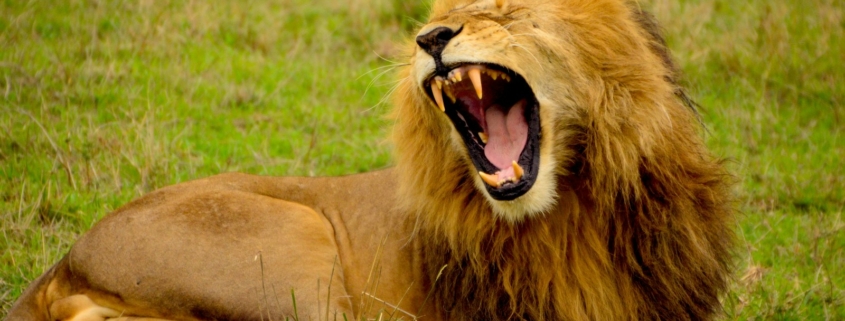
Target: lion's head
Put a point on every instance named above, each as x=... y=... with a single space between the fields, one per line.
x=516 y=91
x=556 y=130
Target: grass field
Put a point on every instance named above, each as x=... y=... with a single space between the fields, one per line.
x=103 y=101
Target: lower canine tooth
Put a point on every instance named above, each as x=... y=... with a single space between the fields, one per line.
x=437 y=92
x=489 y=179
x=451 y=95
x=517 y=171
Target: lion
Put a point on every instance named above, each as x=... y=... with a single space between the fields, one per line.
x=549 y=166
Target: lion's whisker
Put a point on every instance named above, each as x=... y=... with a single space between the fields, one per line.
x=384 y=98
x=517 y=45
x=379 y=75
x=390 y=61
x=388 y=67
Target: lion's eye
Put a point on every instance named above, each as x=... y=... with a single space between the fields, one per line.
x=518 y=13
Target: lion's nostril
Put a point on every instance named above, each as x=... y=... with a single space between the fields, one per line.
x=436 y=40
x=445 y=35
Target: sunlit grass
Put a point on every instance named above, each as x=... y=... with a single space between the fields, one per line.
x=103 y=101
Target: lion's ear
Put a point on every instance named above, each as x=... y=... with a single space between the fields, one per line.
x=501 y=4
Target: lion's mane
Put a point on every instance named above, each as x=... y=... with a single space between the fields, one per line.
x=642 y=224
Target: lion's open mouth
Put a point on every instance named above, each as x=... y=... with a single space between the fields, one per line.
x=497 y=115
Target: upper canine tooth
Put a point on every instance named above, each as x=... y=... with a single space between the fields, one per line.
x=439 y=82
x=517 y=171
x=483 y=137
x=475 y=77
x=437 y=92
x=489 y=179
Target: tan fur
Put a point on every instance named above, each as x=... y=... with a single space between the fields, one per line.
x=629 y=219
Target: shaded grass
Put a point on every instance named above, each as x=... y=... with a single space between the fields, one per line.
x=103 y=101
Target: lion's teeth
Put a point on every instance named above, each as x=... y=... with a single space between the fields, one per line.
x=483 y=137
x=455 y=76
x=489 y=179
x=437 y=92
x=439 y=83
x=450 y=94
x=475 y=77
x=517 y=171
x=493 y=74
x=506 y=77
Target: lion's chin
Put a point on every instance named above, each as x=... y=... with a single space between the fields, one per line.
x=534 y=203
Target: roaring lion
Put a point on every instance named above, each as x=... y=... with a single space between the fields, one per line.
x=548 y=167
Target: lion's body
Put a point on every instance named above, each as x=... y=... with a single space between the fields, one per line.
x=232 y=247
x=628 y=217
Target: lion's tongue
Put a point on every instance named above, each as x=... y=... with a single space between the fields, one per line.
x=507 y=133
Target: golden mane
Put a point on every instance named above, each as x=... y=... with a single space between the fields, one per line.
x=642 y=223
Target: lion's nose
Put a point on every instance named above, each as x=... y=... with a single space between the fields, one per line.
x=434 y=41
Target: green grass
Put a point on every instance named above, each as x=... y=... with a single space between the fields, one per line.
x=769 y=77
x=103 y=101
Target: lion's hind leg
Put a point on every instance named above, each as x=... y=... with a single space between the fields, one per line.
x=136 y=319
x=80 y=307
x=55 y=296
